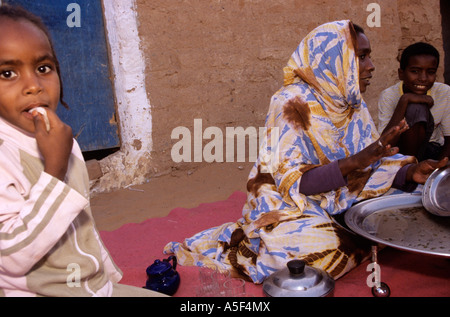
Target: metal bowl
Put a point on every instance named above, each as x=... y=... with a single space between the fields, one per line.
x=402 y=222
x=436 y=192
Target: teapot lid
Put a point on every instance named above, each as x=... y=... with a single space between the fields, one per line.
x=158 y=267
x=298 y=280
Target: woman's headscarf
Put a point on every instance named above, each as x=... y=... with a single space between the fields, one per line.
x=326 y=60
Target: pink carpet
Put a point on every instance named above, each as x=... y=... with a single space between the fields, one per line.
x=136 y=246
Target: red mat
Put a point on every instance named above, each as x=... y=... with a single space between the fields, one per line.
x=136 y=246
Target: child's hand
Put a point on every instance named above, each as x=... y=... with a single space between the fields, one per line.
x=420 y=172
x=54 y=145
x=421 y=99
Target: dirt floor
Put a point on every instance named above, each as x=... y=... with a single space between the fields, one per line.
x=160 y=195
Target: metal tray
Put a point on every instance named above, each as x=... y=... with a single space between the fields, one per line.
x=401 y=221
x=436 y=192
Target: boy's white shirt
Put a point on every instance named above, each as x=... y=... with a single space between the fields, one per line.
x=441 y=109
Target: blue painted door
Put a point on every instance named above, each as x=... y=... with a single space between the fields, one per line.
x=78 y=32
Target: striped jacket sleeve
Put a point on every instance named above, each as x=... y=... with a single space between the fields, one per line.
x=32 y=220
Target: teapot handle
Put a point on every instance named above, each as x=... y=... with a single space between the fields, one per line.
x=174 y=261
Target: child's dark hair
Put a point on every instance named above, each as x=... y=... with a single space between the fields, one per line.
x=17 y=13
x=419 y=48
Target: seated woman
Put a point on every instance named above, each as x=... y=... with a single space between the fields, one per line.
x=328 y=156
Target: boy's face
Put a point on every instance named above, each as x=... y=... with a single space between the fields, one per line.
x=419 y=75
x=28 y=76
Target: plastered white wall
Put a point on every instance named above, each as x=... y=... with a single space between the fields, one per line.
x=131 y=164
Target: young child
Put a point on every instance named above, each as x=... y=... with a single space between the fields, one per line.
x=49 y=245
x=424 y=103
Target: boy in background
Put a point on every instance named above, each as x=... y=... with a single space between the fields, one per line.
x=422 y=102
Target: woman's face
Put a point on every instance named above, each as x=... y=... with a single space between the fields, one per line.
x=366 y=66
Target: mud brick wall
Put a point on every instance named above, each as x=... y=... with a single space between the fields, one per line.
x=221 y=61
x=218 y=62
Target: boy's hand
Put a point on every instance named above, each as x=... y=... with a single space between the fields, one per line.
x=422 y=99
x=54 y=145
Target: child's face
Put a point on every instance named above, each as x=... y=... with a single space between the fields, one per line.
x=420 y=74
x=28 y=76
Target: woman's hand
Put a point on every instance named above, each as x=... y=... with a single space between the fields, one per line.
x=54 y=145
x=373 y=152
x=420 y=172
x=394 y=132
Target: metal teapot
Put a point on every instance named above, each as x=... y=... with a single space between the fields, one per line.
x=163 y=277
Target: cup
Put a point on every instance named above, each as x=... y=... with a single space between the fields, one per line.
x=205 y=274
x=234 y=287
x=220 y=276
x=202 y=290
x=206 y=287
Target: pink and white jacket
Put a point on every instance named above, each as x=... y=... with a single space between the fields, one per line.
x=49 y=245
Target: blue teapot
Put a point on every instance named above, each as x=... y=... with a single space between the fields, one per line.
x=163 y=277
